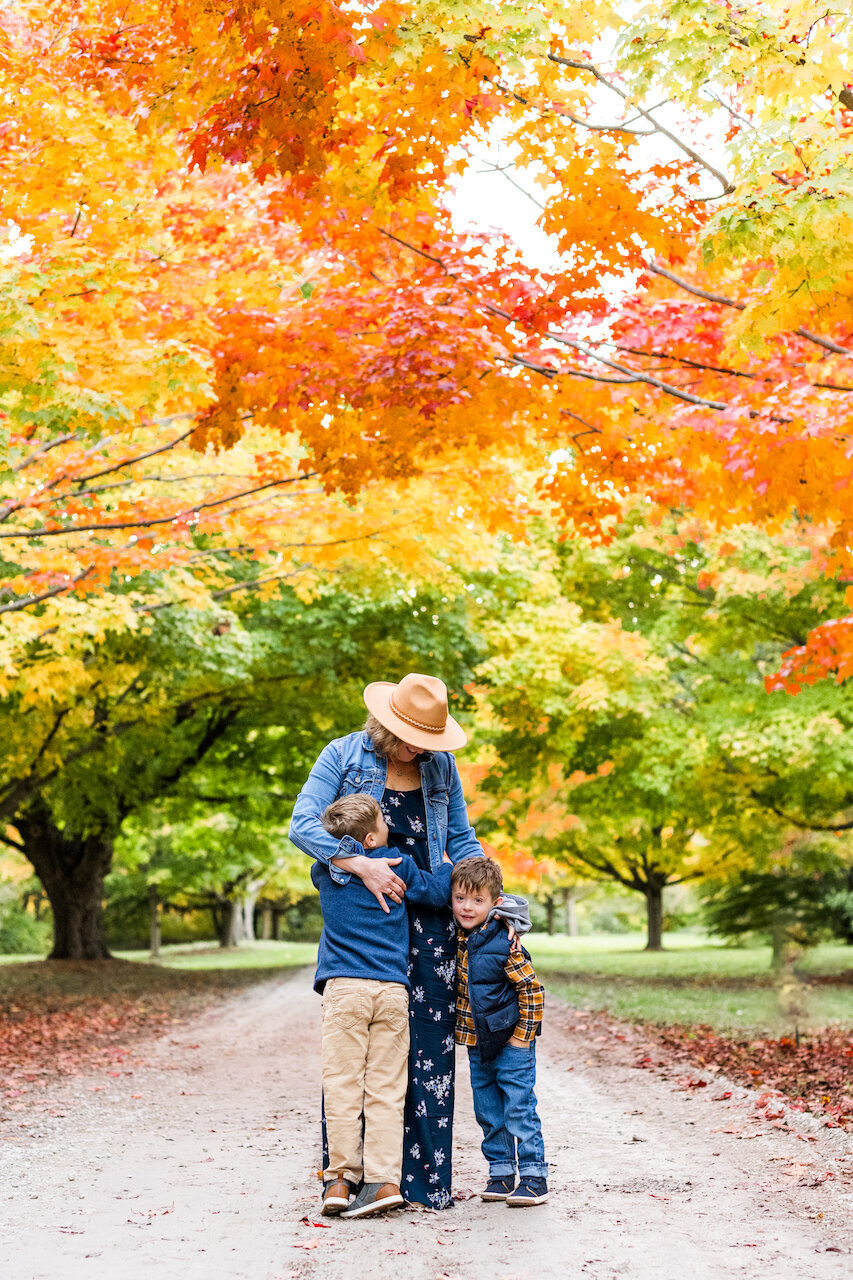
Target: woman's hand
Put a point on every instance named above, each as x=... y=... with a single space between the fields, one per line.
x=376 y=875
x=518 y=1044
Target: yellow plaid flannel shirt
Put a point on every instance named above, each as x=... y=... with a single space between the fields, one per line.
x=528 y=988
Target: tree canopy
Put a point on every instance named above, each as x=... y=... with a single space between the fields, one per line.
x=245 y=340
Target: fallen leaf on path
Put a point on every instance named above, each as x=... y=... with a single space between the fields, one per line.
x=312 y=1244
x=326 y=1226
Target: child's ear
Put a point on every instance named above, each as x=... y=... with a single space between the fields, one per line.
x=369 y=840
x=499 y=900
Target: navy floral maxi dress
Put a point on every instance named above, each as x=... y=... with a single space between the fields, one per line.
x=428 y=1123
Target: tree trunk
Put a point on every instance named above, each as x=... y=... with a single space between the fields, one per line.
x=248 y=912
x=218 y=924
x=276 y=923
x=155 y=931
x=266 y=922
x=72 y=871
x=232 y=924
x=571 y=899
x=247 y=924
x=654 y=909
x=550 y=914
x=777 y=941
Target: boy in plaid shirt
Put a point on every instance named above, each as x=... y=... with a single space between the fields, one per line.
x=499 y=1006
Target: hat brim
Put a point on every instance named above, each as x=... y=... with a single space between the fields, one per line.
x=377 y=699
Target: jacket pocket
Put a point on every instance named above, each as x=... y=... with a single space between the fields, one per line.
x=357 y=780
x=502 y=1019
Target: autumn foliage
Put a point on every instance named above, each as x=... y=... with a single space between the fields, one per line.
x=242 y=328
x=241 y=215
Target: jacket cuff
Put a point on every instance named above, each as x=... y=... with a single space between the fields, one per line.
x=348 y=848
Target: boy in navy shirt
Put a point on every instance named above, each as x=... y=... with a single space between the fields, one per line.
x=499 y=1004
x=361 y=974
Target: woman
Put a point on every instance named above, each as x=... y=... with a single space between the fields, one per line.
x=403 y=759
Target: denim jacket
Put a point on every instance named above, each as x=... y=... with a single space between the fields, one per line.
x=350 y=765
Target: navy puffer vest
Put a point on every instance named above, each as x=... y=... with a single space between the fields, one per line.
x=494 y=1004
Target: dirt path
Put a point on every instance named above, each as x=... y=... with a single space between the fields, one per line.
x=201 y=1165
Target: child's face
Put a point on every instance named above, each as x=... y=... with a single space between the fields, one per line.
x=471 y=906
x=378 y=837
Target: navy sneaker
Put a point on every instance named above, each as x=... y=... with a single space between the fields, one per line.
x=497 y=1189
x=529 y=1191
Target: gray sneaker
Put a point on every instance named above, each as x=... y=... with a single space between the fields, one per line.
x=374 y=1197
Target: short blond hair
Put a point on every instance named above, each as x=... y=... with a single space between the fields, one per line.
x=385 y=743
x=354 y=816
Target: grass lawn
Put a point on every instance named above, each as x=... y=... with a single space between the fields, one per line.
x=693 y=980
x=252 y=955
x=207 y=955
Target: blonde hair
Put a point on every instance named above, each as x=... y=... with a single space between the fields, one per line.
x=385 y=743
x=355 y=816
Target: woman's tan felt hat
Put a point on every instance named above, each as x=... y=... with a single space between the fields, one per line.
x=416 y=711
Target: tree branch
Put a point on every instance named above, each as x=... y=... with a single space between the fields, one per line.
x=655 y=267
x=725 y=183
x=160 y=520
x=24 y=602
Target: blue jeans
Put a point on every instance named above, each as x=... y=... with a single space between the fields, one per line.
x=505 y=1107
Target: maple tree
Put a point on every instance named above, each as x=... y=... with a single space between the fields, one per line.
x=248 y=94
x=238 y=220
x=630 y=734
x=801 y=895
x=212 y=708
x=408 y=319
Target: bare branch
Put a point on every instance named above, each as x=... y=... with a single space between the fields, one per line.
x=147 y=524
x=24 y=602
x=725 y=183
x=46 y=448
x=655 y=267
x=127 y=462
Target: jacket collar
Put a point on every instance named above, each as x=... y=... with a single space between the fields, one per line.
x=480 y=936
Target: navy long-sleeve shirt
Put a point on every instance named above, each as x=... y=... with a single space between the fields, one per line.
x=359 y=940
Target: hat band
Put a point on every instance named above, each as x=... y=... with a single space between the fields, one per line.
x=416 y=724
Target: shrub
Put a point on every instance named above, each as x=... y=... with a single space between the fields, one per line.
x=20 y=933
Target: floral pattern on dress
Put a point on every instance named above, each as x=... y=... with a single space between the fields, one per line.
x=428 y=1140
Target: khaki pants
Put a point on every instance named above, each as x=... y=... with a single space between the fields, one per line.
x=365 y=1073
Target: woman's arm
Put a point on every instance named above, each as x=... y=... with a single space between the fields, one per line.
x=461 y=840
x=343 y=856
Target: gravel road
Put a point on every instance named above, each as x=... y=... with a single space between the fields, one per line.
x=200 y=1164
